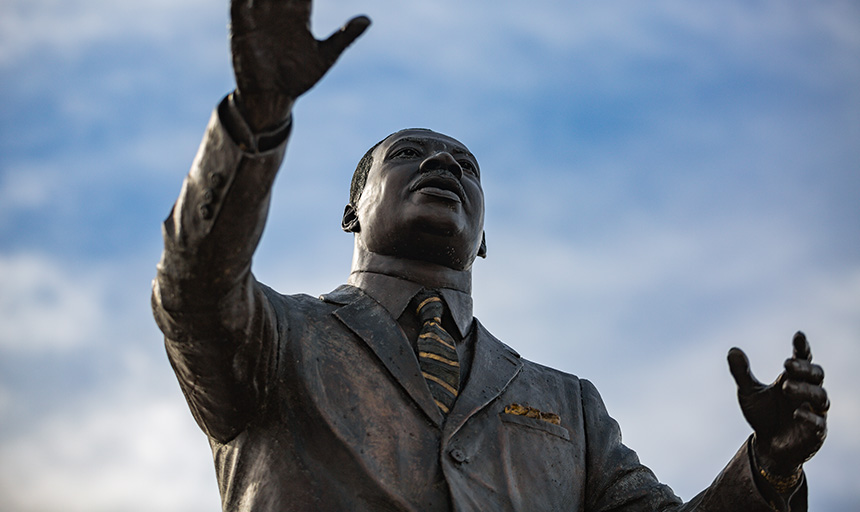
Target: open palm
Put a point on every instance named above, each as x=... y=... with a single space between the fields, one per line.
x=276 y=58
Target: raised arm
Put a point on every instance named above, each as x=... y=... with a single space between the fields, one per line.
x=218 y=325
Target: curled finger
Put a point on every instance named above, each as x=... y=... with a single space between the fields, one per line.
x=803 y=370
x=803 y=392
x=801 y=347
x=816 y=421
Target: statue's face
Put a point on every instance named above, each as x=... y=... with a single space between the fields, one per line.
x=423 y=200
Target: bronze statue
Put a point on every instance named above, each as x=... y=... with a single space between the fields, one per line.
x=387 y=394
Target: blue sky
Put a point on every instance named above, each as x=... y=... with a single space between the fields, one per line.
x=664 y=180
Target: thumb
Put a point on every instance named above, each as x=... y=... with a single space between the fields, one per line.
x=332 y=47
x=739 y=365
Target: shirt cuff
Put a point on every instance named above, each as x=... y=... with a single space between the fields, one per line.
x=238 y=129
x=778 y=491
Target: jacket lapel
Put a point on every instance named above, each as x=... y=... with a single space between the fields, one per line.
x=375 y=326
x=494 y=366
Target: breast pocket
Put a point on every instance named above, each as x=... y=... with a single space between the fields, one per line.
x=542 y=459
x=538 y=425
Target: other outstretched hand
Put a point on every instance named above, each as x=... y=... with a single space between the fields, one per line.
x=789 y=416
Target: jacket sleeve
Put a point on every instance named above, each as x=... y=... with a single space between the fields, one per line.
x=220 y=330
x=618 y=482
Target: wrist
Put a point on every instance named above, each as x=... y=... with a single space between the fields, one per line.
x=248 y=139
x=781 y=484
x=784 y=478
x=263 y=112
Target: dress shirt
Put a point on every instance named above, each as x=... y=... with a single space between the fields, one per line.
x=396 y=293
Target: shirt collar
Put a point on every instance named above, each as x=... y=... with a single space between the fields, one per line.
x=395 y=293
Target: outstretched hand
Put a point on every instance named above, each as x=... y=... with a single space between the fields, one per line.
x=789 y=417
x=276 y=58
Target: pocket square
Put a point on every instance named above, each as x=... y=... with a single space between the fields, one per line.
x=531 y=412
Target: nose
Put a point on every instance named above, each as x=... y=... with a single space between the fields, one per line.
x=442 y=160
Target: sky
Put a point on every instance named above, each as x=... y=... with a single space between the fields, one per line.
x=664 y=180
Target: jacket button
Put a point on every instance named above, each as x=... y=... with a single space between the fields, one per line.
x=216 y=179
x=205 y=211
x=458 y=455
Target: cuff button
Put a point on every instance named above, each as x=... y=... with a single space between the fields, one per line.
x=458 y=455
x=216 y=179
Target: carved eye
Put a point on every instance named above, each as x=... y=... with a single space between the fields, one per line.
x=407 y=152
x=468 y=166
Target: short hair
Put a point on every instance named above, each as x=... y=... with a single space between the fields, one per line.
x=359 y=177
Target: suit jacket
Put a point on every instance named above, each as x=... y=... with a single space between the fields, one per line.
x=318 y=403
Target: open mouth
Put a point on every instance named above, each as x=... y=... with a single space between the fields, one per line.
x=440 y=184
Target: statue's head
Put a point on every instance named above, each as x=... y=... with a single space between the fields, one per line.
x=417 y=195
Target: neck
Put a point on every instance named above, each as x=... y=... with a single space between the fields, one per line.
x=430 y=275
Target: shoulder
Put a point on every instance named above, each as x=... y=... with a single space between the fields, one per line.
x=298 y=304
x=530 y=372
x=552 y=378
x=567 y=383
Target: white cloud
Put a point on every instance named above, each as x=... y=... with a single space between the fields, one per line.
x=26 y=187
x=516 y=47
x=44 y=306
x=527 y=42
x=120 y=436
x=129 y=451
x=5 y=401
x=70 y=26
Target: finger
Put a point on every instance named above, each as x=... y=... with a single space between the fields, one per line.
x=814 y=396
x=810 y=418
x=799 y=369
x=298 y=6
x=801 y=347
x=739 y=365
x=332 y=47
x=240 y=11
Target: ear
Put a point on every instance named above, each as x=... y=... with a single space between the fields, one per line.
x=482 y=250
x=349 y=223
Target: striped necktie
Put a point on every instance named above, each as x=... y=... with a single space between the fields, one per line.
x=437 y=354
